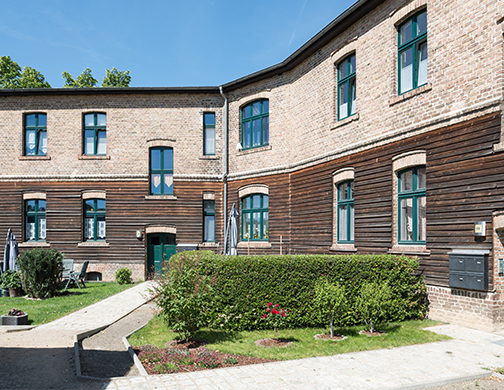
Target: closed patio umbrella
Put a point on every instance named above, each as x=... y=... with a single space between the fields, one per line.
x=11 y=252
x=233 y=231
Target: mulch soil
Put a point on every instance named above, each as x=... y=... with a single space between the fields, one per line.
x=327 y=336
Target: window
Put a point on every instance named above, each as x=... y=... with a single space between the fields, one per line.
x=254 y=212
x=412 y=56
x=345 y=212
x=35 y=214
x=161 y=171
x=95 y=134
x=209 y=133
x=255 y=124
x=346 y=87
x=208 y=220
x=412 y=206
x=36 y=135
x=94 y=219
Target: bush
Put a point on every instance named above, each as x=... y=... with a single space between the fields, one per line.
x=40 y=272
x=123 y=276
x=241 y=285
x=330 y=300
x=373 y=303
x=10 y=279
x=184 y=296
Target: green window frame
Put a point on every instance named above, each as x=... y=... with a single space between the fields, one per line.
x=345 y=212
x=412 y=211
x=255 y=124
x=208 y=221
x=95 y=134
x=209 y=133
x=35 y=136
x=94 y=220
x=412 y=52
x=161 y=171
x=35 y=220
x=347 y=87
x=255 y=217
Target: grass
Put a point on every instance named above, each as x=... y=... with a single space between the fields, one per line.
x=305 y=345
x=47 y=310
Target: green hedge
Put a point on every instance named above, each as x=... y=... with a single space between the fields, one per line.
x=243 y=285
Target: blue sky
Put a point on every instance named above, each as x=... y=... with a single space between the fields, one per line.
x=162 y=43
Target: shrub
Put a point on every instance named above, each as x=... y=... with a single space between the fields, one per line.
x=123 y=276
x=10 y=279
x=275 y=316
x=40 y=271
x=330 y=301
x=184 y=296
x=373 y=303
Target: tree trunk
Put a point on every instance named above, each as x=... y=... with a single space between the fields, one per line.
x=331 y=327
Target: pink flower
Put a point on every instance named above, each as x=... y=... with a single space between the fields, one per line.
x=264 y=316
x=269 y=303
x=276 y=305
x=267 y=309
x=283 y=314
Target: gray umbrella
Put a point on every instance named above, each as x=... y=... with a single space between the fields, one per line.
x=233 y=231
x=11 y=252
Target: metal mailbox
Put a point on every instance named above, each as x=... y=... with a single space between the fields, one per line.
x=469 y=270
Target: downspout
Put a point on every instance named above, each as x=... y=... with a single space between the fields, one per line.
x=224 y=175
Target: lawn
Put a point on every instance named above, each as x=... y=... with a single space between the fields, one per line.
x=305 y=345
x=47 y=310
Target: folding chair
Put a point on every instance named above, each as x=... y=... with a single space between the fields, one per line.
x=74 y=277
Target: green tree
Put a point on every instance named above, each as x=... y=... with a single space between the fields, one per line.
x=373 y=303
x=330 y=300
x=84 y=80
x=32 y=78
x=116 y=78
x=11 y=76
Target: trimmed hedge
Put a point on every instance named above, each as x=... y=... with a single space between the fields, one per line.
x=243 y=285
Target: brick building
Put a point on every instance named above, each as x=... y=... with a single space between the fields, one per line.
x=382 y=134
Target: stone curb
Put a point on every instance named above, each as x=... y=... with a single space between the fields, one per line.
x=428 y=385
x=15 y=328
x=133 y=355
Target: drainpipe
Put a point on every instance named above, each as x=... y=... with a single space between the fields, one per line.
x=224 y=175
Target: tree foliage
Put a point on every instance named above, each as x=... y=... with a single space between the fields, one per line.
x=373 y=303
x=116 y=78
x=12 y=77
x=330 y=300
x=84 y=80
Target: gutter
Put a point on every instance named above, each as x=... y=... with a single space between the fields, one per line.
x=226 y=154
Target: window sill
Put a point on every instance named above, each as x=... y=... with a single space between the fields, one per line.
x=417 y=250
x=160 y=197
x=345 y=121
x=408 y=95
x=243 y=152
x=343 y=248
x=31 y=158
x=94 y=244
x=34 y=244
x=212 y=157
x=254 y=244
x=208 y=245
x=90 y=157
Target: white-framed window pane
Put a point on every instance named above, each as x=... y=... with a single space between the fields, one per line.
x=101 y=227
x=406 y=70
x=422 y=65
x=42 y=228
x=406 y=220
x=42 y=142
x=102 y=143
x=88 y=228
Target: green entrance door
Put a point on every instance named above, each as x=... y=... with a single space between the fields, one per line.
x=160 y=247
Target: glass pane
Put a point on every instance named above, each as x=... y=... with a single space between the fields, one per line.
x=30 y=205
x=102 y=142
x=343 y=191
x=210 y=141
x=407 y=32
x=101 y=120
x=101 y=227
x=89 y=142
x=248 y=202
x=155 y=159
x=209 y=207
x=155 y=183
x=155 y=240
x=42 y=120
x=343 y=70
x=89 y=229
x=352 y=64
x=421 y=178
x=42 y=147
x=342 y=223
x=350 y=190
x=265 y=201
x=265 y=130
x=30 y=120
x=247 y=111
x=406 y=70
x=406 y=220
x=168 y=183
x=209 y=228
x=406 y=181
x=168 y=159
x=246 y=135
x=256 y=226
x=265 y=225
x=256 y=108
x=422 y=218
x=265 y=106
x=30 y=142
x=343 y=101
x=100 y=204
x=246 y=226
x=209 y=118
x=256 y=202
x=42 y=229
x=422 y=23
x=422 y=65
x=30 y=228
x=89 y=205
x=353 y=108
x=256 y=125
x=41 y=205
x=89 y=120
x=352 y=216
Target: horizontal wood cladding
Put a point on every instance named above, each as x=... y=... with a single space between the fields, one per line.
x=127 y=210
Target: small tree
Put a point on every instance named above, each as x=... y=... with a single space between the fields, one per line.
x=330 y=300
x=184 y=295
x=40 y=271
x=116 y=78
x=373 y=302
